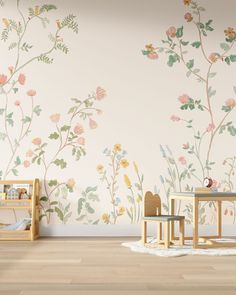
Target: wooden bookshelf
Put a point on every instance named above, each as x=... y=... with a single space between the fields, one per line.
x=32 y=205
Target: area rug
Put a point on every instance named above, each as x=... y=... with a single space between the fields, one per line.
x=177 y=251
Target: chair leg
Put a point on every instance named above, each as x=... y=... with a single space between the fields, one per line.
x=144 y=232
x=181 y=232
x=159 y=232
x=167 y=234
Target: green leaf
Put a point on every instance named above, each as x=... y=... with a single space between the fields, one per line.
x=196 y=44
x=54 y=135
x=62 y=47
x=50 y=210
x=211 y=75
x=59 y=213
x=81 y=217
x=227 y=60
x=52 y=182
x=184 y=43
x=17 y=161
x=179 y=32
x=2 y=136
x=61 y=163
x=47 y=7
x=14 y=171
x=232 y=130
x=2 y=111
x=232 y=57
x=235 y=89
x=53 y=203
x=190 y=64
x=89 y=208
x=44 y=58
x=65 y=128
x=26 y=119
x=172 y=60
x=37 y=110
x=224 y=46
x=80 y=205
x=226 y=108
x=211 y=92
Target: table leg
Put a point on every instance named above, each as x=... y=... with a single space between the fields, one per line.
x=195 y=222
x=219 y=219
x=172 y=224
x=159 y=232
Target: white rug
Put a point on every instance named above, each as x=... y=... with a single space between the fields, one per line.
x=176 y=251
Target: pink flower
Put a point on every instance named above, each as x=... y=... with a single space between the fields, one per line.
x=3 y=79
x=215 y=183
x=188 y=17
x=37 y=141
x=11 y=69
x=31 y=92
x=70 y=182
x=92 y=124
x=55 y=118
x=210 y=127
x=26 y=164
x=214 y=56
x=81 y=140
x=99 y=112
x=153 y=55
x=21 y=79
x=171 y=32
x=230 y=102
x=184 y=98
x=186 y=146
x=100 y=93
x=182 y=160
x=79 y=129
x=174 y=118
x=17 y=103
x=29 y=153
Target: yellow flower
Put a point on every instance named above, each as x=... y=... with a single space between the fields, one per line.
x=230 y=32
x=127 y=181
x=138 y=199
x=135 y=167
x=36 y=10
x=150 y=48
x=117 y=147
x=187 y=2
x=105 y=217
x=100 y=168
x=124 y=163
x=6 y=22
x=121 y=210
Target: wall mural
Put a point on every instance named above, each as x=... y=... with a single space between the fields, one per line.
x=197 y=161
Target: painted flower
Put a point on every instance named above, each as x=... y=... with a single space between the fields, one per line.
x=187 y=2
x=26 y=163
x=106 y=218
x=78 y=129
x=213 y=57
x=31 y=92
x=100 y=93
x=175 y=118
x=17 y=103
x=127 y=181
x=184 y=98
x=117 y=147
x=55 y=118
x=182 y=160
x=6 y=22
x=3 y=79
x=21 y=79
x=150 y=47
x=124 y=163
x=210 y=127
x=37 y=141
x=153 y=55
x=121 y=211
x=186 y=146
x=230 y=33
x=81 y=140
x=188 y=16
x=11 y=69
x=70 y=182
x=138 y=199
x=230 y=102
x=99 y=112
x=171 y=32
x=92 y=124
x=100 y=168
x=29 y=153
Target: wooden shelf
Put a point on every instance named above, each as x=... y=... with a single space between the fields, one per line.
x=24 y=204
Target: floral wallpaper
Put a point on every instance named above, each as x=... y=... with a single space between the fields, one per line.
x=100 y=125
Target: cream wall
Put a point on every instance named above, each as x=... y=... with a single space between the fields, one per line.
x=141 y=96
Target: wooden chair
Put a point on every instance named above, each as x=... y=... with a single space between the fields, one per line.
x=152 y=212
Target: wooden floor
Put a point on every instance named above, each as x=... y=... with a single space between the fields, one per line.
x=102 y=266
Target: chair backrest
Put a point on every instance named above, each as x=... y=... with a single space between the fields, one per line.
x=152 y=204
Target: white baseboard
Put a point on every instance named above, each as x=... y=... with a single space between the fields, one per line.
x=73 y=230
